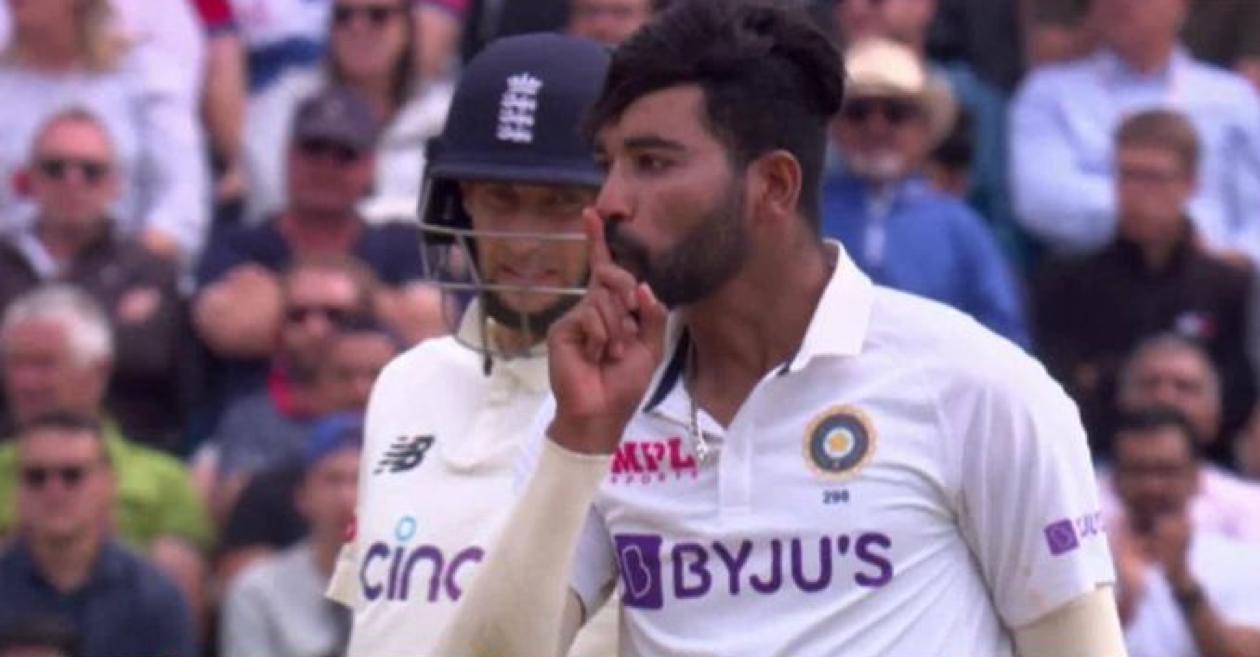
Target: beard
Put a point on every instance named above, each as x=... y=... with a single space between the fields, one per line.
x=534 y=324
x=706 y=258
x=884 y=165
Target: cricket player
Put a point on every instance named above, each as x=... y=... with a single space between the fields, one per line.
x=447 y=420
x=791 y=460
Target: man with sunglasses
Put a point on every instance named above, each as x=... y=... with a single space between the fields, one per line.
x=65 y=564
x=237 y=311
x=267 y=428
x=73 y=178
x=898 y=229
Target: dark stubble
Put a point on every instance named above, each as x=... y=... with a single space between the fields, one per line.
x=698 y=266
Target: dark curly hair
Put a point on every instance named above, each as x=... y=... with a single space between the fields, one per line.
x=771 y=79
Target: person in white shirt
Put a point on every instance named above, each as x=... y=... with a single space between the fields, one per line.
x=795 y=462
x=1184 y=590
x=371 y=50
x=276 y=606
x=447 y=420
x=1174 y=371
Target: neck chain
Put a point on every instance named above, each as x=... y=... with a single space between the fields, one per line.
x=699 y=445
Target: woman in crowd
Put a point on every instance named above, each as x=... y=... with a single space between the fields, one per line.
x=64 y=53
x=372 y=51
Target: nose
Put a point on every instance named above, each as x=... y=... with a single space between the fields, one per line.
x=613 y=201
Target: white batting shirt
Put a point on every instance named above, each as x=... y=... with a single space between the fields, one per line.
x=908 y=484
x=443 y=439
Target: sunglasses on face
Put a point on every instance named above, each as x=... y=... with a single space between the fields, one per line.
x=335 y=316
x=59 y=168
x=36 y=477
x=895 y=112
x=375 y=15
x=325 y=148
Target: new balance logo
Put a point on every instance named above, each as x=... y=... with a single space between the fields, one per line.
x=405 y=454
x=517 y=108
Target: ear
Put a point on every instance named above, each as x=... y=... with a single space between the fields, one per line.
x=775 y=184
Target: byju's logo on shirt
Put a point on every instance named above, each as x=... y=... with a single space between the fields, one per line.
x=643 y=462
x=405 y=454
x=1067 y=534
x=698 y=569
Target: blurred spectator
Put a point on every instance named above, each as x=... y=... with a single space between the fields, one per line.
x=1065 y=116
x=280 y=35
x=439 y=30
x=608 y=21
x=1183 y=590
x=1056 y=31
x=267 y=428
x=1171 y=371
x=1155 y=277
x=899 y=230
x=985 y=34
x=223 y=103
x=40 y=635
x=908 y=22
x=73 y=179
x=265 y=518
x=64 y=53
x=491 y=19
x=56 y=351
x=64 y=562
x=372 y=53
x=277 y=605
x=166 y=35
x=330 y=164
x=1226 y=33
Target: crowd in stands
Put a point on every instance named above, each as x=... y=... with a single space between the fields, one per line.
x=208 y=251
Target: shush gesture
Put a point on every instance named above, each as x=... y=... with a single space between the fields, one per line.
x=602 y=354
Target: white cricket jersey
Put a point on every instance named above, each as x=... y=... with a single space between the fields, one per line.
x=442 y=443
x=907 y=484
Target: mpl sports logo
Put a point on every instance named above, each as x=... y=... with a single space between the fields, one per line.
x=653 y=573
x=642 y=462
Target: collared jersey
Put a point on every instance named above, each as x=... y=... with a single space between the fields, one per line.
x=907 y=484
x=442 y=441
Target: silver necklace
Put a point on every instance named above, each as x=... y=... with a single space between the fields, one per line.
x=701 y=447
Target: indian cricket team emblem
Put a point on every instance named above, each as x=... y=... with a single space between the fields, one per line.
x=517 y=108
x=840 y=442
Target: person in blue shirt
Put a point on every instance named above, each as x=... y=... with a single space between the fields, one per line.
x=898 y=229
x=65 y=565
x=1064 y=117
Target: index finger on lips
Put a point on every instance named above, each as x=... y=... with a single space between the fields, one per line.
x=597 y=251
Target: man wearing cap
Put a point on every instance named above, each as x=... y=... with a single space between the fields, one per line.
x=277 y=606
x=501 y=218
x=898 y=229
x=330 y=167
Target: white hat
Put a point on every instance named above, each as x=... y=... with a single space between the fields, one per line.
x=884 y=68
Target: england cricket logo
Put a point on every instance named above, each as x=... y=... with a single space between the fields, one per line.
x=517 y=109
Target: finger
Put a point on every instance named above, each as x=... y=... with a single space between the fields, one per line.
x=653 y=316
x=593 y=334
x=597 y=245
x=620 y=281
x=617 y=319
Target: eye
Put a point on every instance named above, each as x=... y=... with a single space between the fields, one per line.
x=650 y=163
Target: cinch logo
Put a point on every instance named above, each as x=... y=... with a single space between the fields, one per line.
x=389 y=570
x=643 y=462
x=695 y=569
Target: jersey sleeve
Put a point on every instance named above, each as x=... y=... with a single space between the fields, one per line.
x=1026 y=496
x=594 y=567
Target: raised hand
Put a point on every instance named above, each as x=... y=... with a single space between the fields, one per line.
x=603 y=352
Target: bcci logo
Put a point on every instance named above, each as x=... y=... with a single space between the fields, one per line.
x=517 y=109
x=840 y=442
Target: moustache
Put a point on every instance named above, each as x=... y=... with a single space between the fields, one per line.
x=627 y=251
